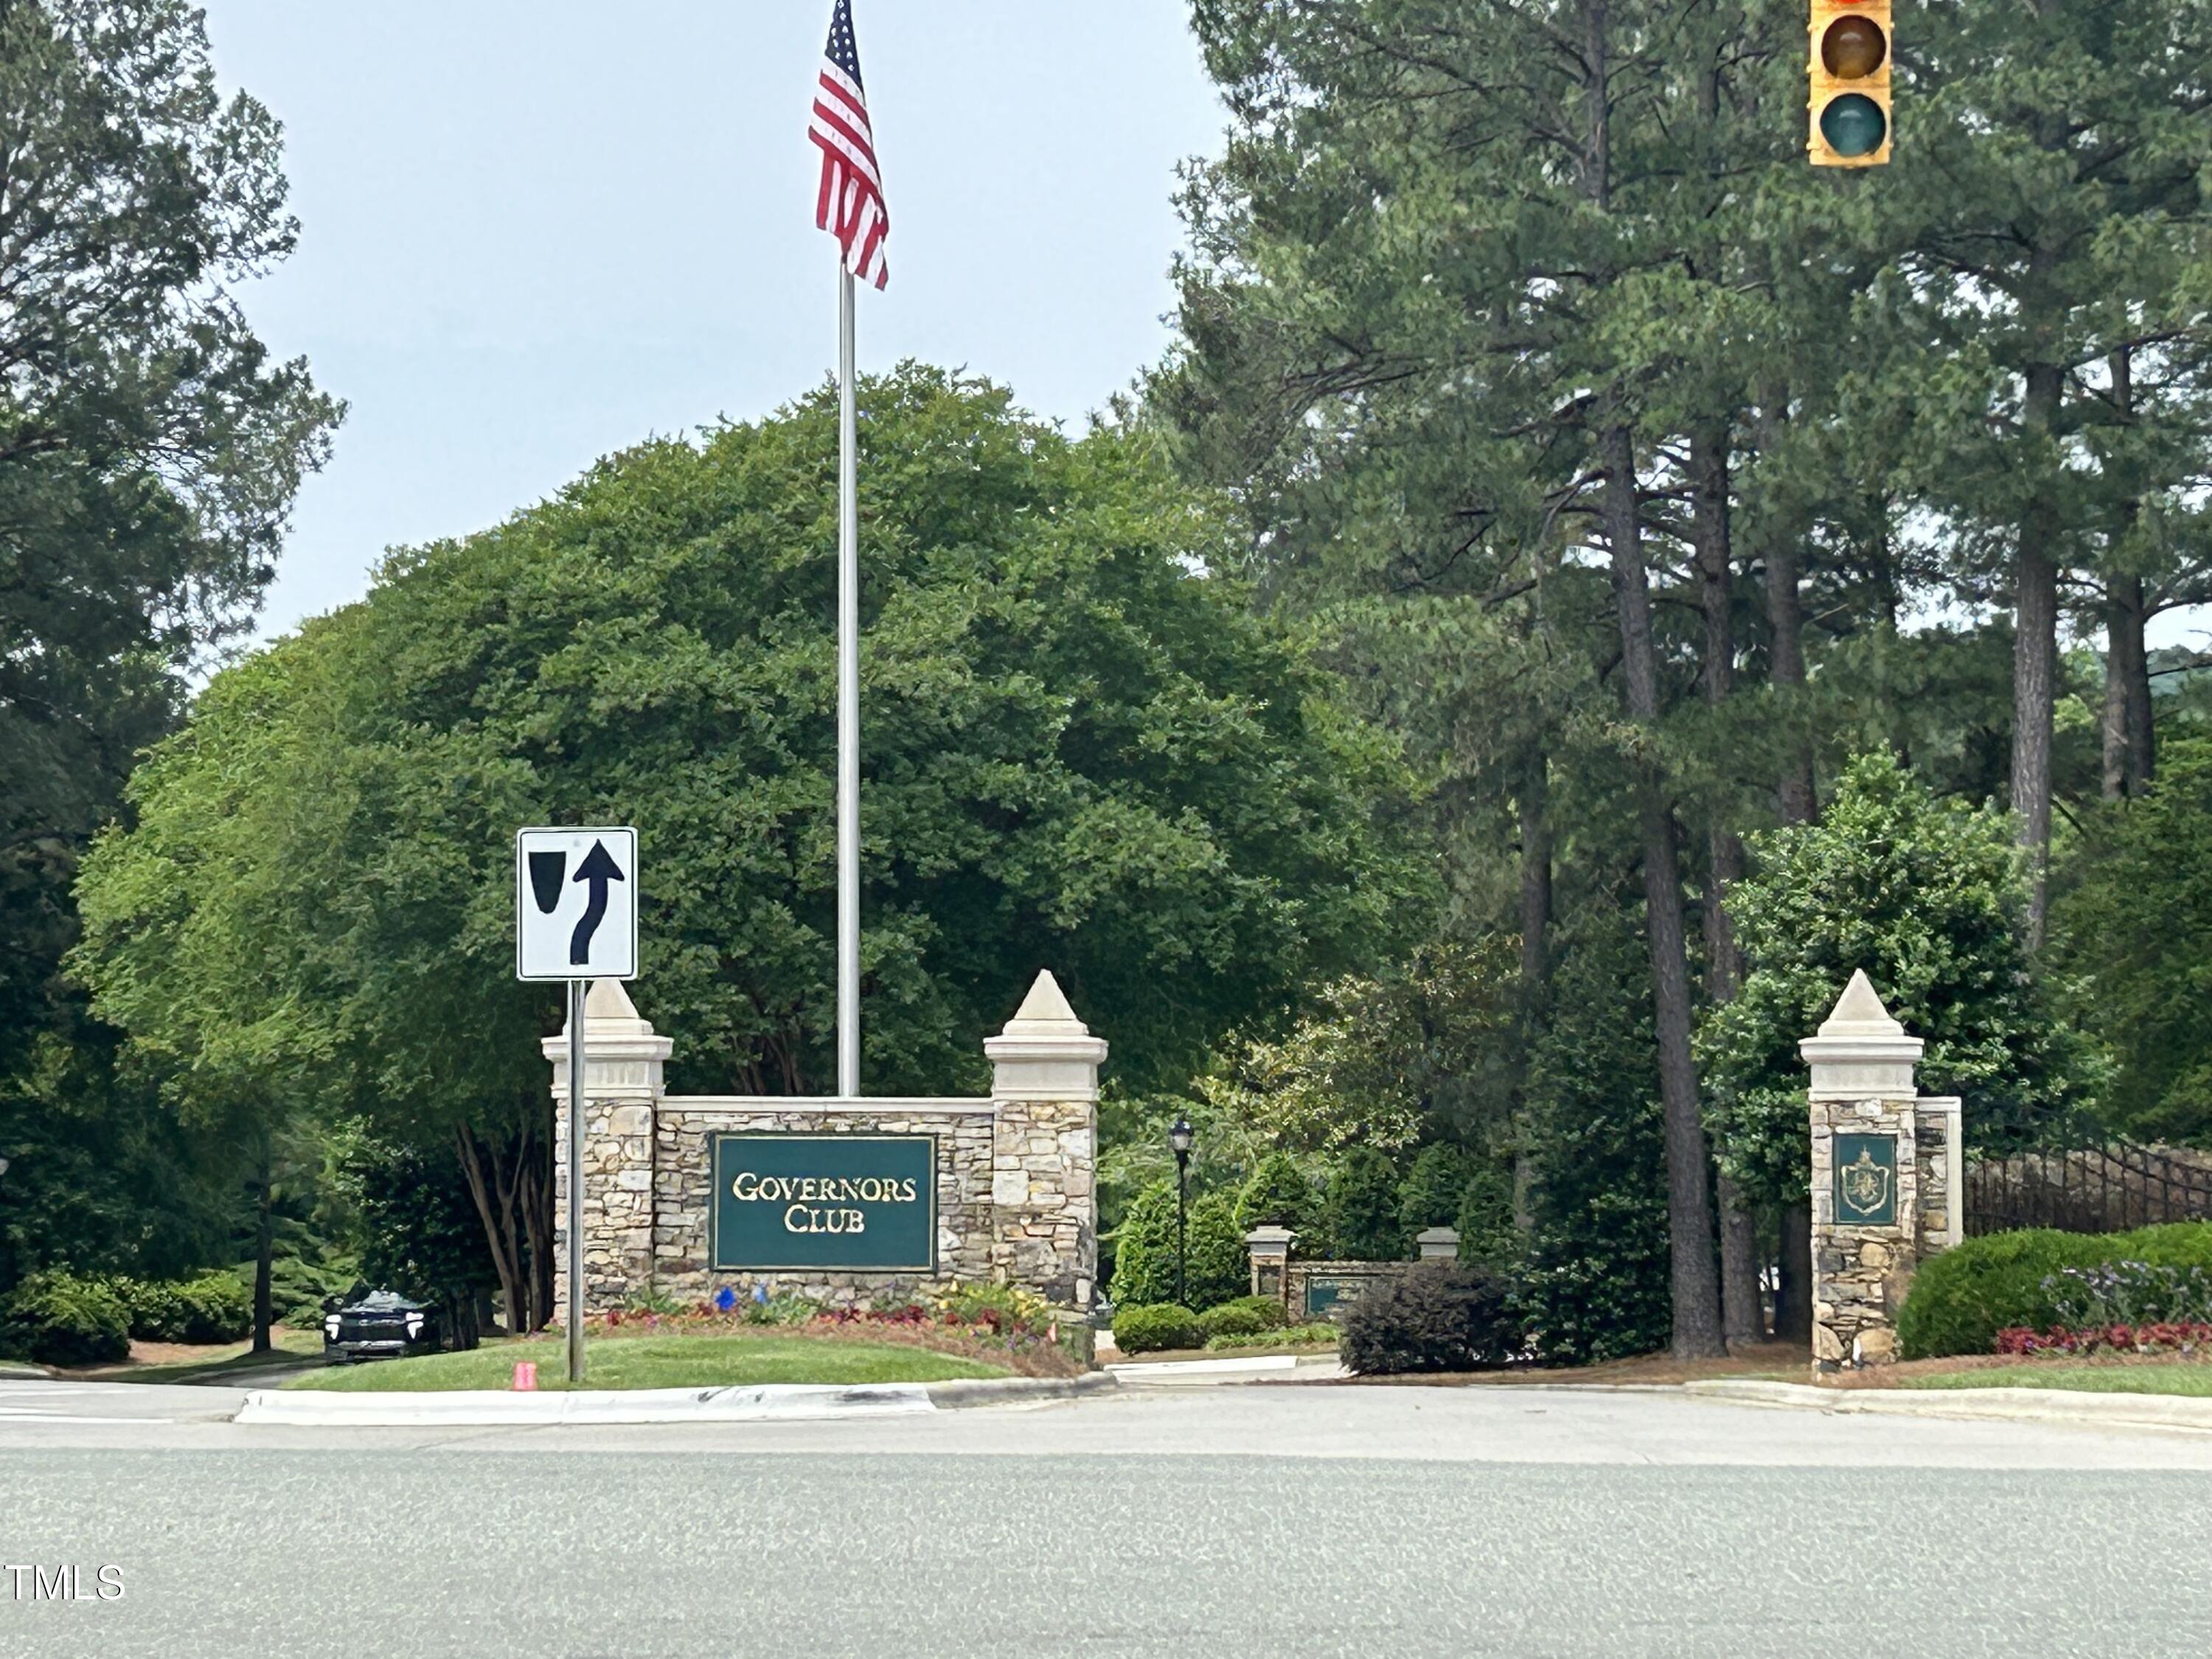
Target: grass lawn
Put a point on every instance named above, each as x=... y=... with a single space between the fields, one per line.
x=2189 y=1378
x=659 y=1361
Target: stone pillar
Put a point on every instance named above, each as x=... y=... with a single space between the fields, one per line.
x=1870 y=1192
x=1269 y=1247
x=1437 y=1244
x=622 y=1061
x=1044 y=1151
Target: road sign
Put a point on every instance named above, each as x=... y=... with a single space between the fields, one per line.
x=576 y=904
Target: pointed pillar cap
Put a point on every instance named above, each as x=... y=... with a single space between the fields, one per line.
x=1044 y=1011
x=1859 y=1013
x=614 y=1031
x=609 y=1012
x=1860 y=1053
x=1045 y=1053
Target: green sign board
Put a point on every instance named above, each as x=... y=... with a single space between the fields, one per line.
x=1866 y=1180
x=1327 y=1291
x=788 y=1201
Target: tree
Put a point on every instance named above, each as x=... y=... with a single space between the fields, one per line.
x=2134 y=936
x=1360 y=1207
x=1424 y=1046
x=149 y=452
x=1459 y=282
x=1931 y=899
x=2057 y=227
x=1081 y=751
x=1595 y=1281
x=1280 y=1195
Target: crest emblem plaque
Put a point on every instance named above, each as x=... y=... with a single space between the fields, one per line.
x=1866 y=1180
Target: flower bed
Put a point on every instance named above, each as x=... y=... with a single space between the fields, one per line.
x=1000 y=1324
x=2188 y=1337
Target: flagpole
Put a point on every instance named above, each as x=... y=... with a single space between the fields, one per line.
x=848 y=707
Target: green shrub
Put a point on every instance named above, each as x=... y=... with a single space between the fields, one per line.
x=1962 y=1299
x=212 y=1308
x=1149 y=1327
x=1248 y=1316
x=1439 y=1316
x=59 y=1319
x=1319 y=1334
x=781 y=1310
x=1217 y=1266
x=1007 y=1309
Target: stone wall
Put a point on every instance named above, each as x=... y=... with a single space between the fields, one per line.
x=1016 y=1174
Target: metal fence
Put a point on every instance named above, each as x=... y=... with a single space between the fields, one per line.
x=2090 y=1187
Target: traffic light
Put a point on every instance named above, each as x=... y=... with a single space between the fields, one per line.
x=1850 y=69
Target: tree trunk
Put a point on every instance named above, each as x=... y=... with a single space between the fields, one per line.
x=1696 y=1317
x=265 y=1263
x=1741 y=1318
x=2127 y=711
x=1785 y=623
x=1535 y=927
x=2035 y=650
x=496 y=1210
x=1793 y=1294
x=1535 y=882
x=536 y=1203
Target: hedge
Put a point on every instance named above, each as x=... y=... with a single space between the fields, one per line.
x=212 y=1308
x=1149 y=1327
x=1248 y=1316
x=1321 y=1333
x=59 y=1319
x=1962 y=1299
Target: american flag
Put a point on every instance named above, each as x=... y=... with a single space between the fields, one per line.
x=851 y=205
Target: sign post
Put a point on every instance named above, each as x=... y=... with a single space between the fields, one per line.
x=575 y=920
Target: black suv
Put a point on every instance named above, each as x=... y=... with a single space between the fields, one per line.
x=382 y=1325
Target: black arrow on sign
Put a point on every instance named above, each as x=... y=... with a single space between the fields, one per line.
x=598 y=868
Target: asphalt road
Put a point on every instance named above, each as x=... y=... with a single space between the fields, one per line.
x=1281 y=1520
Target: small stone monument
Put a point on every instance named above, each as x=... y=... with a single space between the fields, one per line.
x=1269 y=1249
x=1885 y=1177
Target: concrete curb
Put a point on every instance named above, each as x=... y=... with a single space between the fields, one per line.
x=1202 y=1373
x=498 y=1408
x=763 y=1403
x=968 y=1392
x=2129 y=1411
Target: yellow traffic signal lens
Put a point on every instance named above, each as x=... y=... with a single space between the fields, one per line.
x=1853 y=47
x=1853 y=125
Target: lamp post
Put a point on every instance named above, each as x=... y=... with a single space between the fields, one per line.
x=1179 y=1138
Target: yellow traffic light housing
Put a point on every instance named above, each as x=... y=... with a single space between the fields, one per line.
x=1850 y=71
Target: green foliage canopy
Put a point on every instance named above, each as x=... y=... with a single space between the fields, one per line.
x=1080 y=750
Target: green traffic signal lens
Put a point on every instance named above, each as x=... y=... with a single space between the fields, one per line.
x=1853 y=47
x=1852 y=125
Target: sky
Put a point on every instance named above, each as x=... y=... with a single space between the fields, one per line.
x=532 y=233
